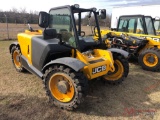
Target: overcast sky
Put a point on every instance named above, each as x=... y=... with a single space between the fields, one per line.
x=45 y=5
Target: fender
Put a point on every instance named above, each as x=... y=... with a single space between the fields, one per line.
x=122 y=52
x=14 y=43
x=73 y=63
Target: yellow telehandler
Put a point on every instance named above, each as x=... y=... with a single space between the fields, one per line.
x=65 y=58
x=135 y=34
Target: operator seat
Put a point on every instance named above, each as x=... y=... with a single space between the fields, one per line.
x=49 y=34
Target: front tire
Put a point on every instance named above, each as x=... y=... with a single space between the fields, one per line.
x=121 y=70
x=65 y=87
x=149 y=59
x=16 y=59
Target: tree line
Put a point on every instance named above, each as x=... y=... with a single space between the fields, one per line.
x=19 y=16
x=86 y=21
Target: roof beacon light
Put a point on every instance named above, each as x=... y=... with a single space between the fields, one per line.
x=76 y=5
x=94 y=9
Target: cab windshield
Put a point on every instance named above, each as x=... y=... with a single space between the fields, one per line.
x=64 y=22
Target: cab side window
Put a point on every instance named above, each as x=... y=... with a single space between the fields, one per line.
x=122 y=25
x=149 y=26
x=157 y=25
x=139 y=28
x=61 y=21
x=126 y=25
x=131 y=25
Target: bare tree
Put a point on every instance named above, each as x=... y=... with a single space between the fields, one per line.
x=15 y=10
x=23 y=10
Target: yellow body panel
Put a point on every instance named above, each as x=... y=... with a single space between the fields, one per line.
x=24 y=40
x=99 y=58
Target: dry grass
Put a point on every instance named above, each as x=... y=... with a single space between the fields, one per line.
x=13 y=29
x=22 y=96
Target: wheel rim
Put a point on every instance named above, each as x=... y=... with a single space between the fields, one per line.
x=117 y=74
x=16 y=58
x=61 y=87
x=150 y=60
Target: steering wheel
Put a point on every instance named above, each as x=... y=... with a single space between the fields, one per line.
x=83 y=33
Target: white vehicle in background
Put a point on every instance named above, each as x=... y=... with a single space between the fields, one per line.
x=147 y=10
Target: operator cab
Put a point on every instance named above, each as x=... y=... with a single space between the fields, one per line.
x=68 y=21
x=138 y=24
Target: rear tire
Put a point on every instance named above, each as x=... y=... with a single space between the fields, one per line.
x=65 y=87
x=149 y=59
x=121 y=70
x=16 y=59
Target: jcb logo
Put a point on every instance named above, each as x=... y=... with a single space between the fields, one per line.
x=98 y=69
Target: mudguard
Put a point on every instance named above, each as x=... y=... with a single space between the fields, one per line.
x=73 y=63
x=14 y=43
x=122 y=52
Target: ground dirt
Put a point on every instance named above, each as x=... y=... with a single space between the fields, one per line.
x=22 y=96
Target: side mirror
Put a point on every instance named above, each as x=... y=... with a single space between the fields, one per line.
x=103 y=14
x=43 y=19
